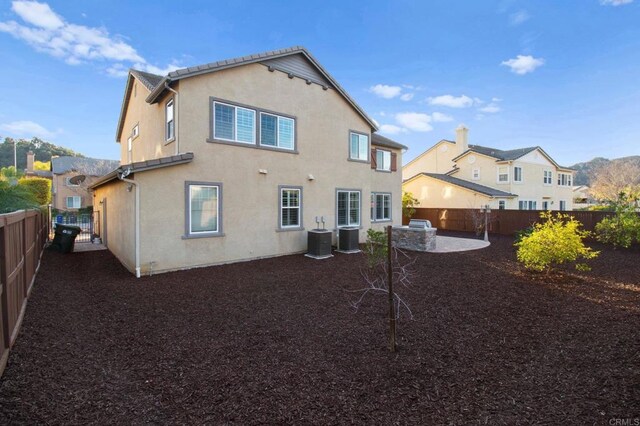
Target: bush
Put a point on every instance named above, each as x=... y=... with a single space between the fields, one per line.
x=553 y=242
x=15 y=197
x=408 y=204
x=375 y=248
x=40 y=187
x=622 y=229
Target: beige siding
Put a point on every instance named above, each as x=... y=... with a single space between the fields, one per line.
x=434 y=193
x=437 y=159
x=62 y=191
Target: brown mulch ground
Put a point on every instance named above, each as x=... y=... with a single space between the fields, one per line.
x=276 y=341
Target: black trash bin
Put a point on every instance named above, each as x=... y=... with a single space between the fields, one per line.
x=65 y=237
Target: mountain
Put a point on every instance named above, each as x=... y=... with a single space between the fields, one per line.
x=42 y=150
x=586 y=171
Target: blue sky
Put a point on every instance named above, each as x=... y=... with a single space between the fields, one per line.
x=559 y=74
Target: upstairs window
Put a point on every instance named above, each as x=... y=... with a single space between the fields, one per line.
x=503 y=174
x=548 y=176
x=276 y=131
x=564 y=179
x=169 y=121
x=234 y=123
x=517 y=174
x=135 y=131
x=383 y=160
x=475 y=174
x=348 y=208
x=358 y=146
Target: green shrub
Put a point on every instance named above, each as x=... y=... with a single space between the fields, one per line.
x=40 y=187
x=375 y=248
x=555 y=241
x=409 y=204
x=622 y=229
x=15 y=197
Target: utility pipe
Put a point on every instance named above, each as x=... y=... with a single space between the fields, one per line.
x=122 y=176
x=175 y=115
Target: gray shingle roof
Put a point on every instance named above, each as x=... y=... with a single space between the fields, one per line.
x=82 y=165
x=148 y=79
x=482 y=189
x=509 y=155
x=142 y=166
x=376 y=139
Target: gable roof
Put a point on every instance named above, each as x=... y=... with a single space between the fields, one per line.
x=314 y=73
x=429 y=149
x=508 y=155
x=376 y=139
x=82 y=165
x=142 y=166
x=476 y=187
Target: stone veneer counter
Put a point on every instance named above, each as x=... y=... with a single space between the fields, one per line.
x=415 y=239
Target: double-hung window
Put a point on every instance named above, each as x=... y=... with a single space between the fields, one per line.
x=348 y=208
x=475 y=174
x=359 y=147
x=503 y=174
x=527 y=205
x=517 y=174
x=548 y=176
x=564 y=179
x=234 y=123
x=383 y=160
x=563 y=205
x=74 y=202
x=135 y=131
x=169 y=128
x=203 y=209
x=276 y=131
x=290 y=207
x=380 y=206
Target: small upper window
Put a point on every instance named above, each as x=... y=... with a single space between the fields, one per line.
x=564 y=179
x=358 y=146
x=135 y=131
x=475 y=174
x=170 y=121
x=503 y=174
x=548 y=176
x=232 y=123
x=276 y=131
x=517 y=174
x=383 y=160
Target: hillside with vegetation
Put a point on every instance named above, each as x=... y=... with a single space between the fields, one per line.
x=43 y=151
x=585 y=172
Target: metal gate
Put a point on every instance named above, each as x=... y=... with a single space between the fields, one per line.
x=89 y=223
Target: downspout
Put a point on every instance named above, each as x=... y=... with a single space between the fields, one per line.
x=176 y=121
x=122 y=176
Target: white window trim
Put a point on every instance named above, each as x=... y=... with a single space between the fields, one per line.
x=473 y=173
x=502 y=204
x=367 y=151
x=281 y=207
x=544 y=177
x=528 y=205
x=568 y=179
x=129 y=150
x=135 y=131
x=170 y=103
x=235 y=123
x=74 y=198
x=374 y=206
x=507 y=173
x=278 y=117
x=199 y=234
x=384 y=152
x=560 y=205
x=349 y=191
x=514 y=174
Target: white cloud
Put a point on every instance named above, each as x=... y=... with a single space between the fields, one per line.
x=492 y=108
x=418 y=122
x=496 y=100
x=615 y=2
x=391 y=129
x=451 y=101
x=518 y=18
x=28 y=129
x=440 y=117
x=386 y=92
x=76 y=44
x=406 y=97
x=523 y=64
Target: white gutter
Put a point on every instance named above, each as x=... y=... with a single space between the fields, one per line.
x=122 y=176
x=175 y=113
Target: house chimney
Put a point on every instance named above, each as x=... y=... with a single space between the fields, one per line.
x=30 y=158
x=462 y=142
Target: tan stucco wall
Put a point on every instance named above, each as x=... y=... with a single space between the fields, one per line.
x=61 y=191
x=436 y=159
x=249 y=199
x=150 y=142
x=116 y=208
x=434 y=193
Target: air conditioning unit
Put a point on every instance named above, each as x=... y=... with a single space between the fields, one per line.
x=348 y=240
x=319 y=244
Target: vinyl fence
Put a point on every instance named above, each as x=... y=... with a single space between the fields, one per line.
x=504 y=222
x=22 y=238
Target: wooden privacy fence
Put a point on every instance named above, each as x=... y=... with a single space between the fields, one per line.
x=23 y=235
x=504 y=222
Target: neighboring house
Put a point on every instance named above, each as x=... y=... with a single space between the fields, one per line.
x=234 y=160
x=67 y=195
x=455 y=174
x=582 y=198
x=31 y=172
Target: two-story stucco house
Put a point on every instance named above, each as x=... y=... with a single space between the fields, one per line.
x=69 y=195
x=235 y=160
x=454 y=174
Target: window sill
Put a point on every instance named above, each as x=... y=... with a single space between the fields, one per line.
x=382 y=221
x=252 y=145
x=348 y=226
x=357 y=160
x=167 y=142
x=196 y=236
x=289 y=229
x=383 y=171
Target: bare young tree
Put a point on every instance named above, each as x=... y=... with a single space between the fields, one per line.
x=616 y=177
x=477 y=218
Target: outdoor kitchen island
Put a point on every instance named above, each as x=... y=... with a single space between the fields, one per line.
x=417 y=236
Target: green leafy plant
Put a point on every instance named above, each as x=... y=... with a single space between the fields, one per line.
x=622 y=229
x=375 y=248
x=15 y=197
x=40 y=187
x=555 y=241
x=409 y=203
